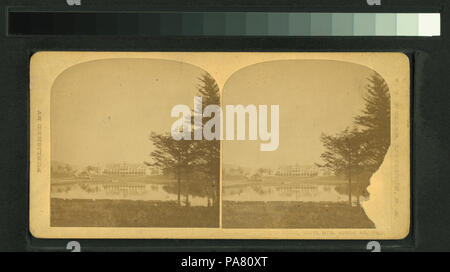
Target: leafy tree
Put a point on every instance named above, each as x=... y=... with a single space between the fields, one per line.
x=359 y=152
x=173 y=157
x=344 y=155
x=192 y=160
x=61 y=170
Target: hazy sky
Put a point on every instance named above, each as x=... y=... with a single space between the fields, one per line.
x=104 y=111
x=315 y=96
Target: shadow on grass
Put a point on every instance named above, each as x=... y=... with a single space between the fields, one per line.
x=129 y=213
x=283 y=214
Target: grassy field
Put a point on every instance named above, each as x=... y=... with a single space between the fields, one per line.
x=129 y=213
x=293 y=215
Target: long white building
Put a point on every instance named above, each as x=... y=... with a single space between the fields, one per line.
x=296 y=171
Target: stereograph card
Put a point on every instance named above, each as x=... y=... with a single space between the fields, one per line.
x=220 y=145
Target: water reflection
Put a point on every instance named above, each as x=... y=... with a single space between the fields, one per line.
x=120 y=191
x=297 y=192
x=162 y=192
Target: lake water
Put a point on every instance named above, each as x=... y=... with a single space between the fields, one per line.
x=120 y=191
x=157 y=192
x=297 y=192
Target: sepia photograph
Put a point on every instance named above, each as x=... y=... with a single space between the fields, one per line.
x=219 y=145
x=218 y=134
x=334 y=132
x=113 y=160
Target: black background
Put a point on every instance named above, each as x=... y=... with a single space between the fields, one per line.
x=430 y=214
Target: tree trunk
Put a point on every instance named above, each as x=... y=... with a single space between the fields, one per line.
x=179 y=189
x=350 y=190
x=349 y=182
x=358 y=193
x=217 y=191
x=187 y=192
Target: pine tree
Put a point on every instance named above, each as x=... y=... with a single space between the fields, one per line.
x=209 y=149
x=344 y=155
x=192 y=160
x=375 y=121
x=356 y=154
x=208 y=90
x=174 y=157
